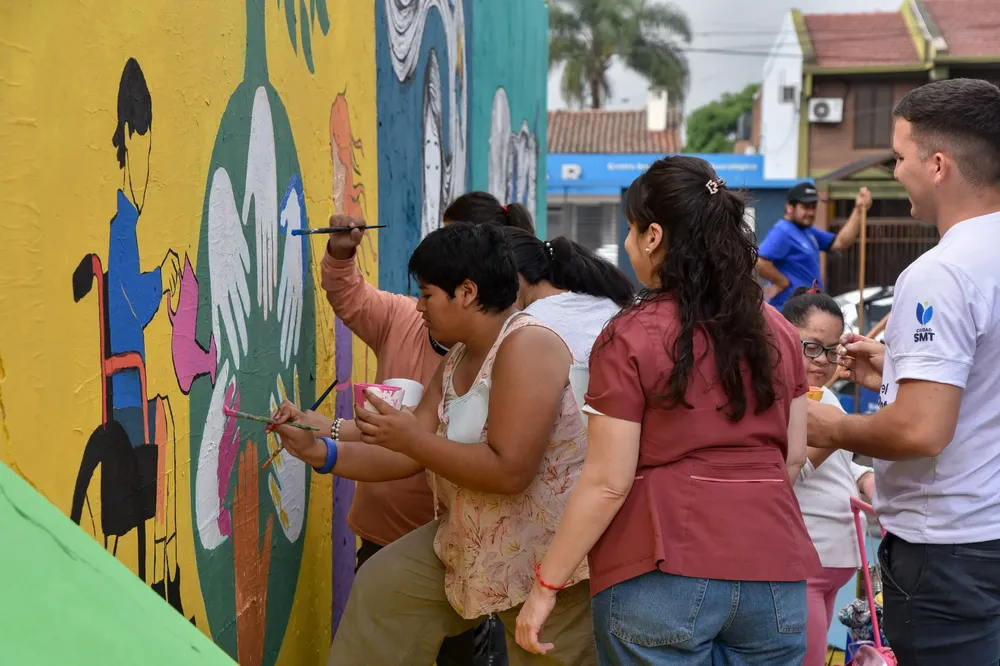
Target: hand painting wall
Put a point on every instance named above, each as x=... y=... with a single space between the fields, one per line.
x=157 y=167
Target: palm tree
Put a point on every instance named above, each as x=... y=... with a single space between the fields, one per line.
x=646 y=35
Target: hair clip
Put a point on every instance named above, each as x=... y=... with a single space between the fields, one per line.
x=814 y=289
x=548 y=246
x=713 y=185
x=505 y=209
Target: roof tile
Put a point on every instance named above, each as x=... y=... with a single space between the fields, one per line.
x=861 y=39
x=603 y=131
x=970 y=27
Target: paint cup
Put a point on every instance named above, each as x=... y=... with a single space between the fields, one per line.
x=390 y=394
x=412 y=391
x=815 y=394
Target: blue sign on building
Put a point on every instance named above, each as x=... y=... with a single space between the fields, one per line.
x=578 y=181
x=609 y=174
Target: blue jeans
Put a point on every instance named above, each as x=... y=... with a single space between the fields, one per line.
x=659 y=619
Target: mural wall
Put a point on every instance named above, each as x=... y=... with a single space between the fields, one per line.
x=157 y=162
x=461 y=104
x=507 y=115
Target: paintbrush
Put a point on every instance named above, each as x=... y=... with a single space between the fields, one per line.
x=315 y=406
x=264 y=419
x=334 y=230
x=335 y=384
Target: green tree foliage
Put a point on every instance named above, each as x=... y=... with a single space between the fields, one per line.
x=585 y=35
x=710 y=128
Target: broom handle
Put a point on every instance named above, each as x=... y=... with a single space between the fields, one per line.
x=862 y=255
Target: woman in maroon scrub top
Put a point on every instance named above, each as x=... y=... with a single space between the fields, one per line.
x=698 y=552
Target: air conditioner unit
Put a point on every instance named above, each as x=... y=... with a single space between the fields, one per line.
x=826 y=110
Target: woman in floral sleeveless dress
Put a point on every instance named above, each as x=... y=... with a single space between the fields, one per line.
x=503 y=441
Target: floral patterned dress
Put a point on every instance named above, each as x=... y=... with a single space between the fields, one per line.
x=490 y=543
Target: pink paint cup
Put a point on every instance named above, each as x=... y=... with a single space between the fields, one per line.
x=391 y=394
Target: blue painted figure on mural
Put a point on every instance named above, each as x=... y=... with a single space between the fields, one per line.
x=134 y=443
x=133 y=296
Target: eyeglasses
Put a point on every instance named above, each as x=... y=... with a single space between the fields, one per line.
x=815 y=350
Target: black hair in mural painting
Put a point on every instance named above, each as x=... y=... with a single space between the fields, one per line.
x=135 y=107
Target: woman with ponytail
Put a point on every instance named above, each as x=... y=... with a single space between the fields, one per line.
x=697 y=549
x=568 y=287
x=480 y=207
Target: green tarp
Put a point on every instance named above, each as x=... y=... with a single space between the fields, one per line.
x=65 y=601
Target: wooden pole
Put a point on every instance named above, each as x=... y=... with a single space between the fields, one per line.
x=880 y=326
x=862 y=256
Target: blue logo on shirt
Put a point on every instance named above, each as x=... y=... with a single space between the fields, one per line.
x=925 y=311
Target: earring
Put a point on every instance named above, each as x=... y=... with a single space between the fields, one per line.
x=648 y=250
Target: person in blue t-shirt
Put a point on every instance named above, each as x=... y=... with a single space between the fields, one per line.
x=789 y=255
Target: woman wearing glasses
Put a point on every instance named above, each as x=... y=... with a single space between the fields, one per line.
x=830 y=477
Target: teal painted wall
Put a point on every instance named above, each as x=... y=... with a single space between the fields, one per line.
x=507 y=111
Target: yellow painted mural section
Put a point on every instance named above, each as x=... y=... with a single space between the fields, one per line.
x=64 y=190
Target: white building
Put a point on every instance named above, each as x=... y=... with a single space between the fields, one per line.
x=780 y=103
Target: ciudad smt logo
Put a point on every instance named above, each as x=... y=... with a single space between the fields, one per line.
x=925 y=312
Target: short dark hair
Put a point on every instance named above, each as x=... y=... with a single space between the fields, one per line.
x=805 y=301
x=961 y=117
x=135 y=107
x=462 y=251
x=480 y=207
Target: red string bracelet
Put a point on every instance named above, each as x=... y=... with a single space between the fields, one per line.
x=538 y=575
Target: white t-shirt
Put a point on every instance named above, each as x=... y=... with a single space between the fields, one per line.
x=578 y=318
x=824 y=495
x=945 y=327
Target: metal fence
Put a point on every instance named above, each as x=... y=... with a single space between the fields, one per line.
x=893 y=244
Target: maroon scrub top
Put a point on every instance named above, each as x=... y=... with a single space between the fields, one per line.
x=711 y=497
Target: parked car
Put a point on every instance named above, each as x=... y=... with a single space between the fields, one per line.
x=878 y=303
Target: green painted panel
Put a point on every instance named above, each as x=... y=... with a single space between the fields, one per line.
x=66 y=600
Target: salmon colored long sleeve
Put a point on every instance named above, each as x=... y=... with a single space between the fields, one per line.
x=390 y=324
x=364 y=309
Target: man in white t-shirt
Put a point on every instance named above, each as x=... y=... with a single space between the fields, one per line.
x=936 y=439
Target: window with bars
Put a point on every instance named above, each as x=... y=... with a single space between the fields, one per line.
x=556 y=222
x=594 y=226
x=873 y=116
x=890 y=208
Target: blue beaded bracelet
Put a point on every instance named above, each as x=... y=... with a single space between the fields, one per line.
x=331 y=456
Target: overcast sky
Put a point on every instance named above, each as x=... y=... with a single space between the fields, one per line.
x=721 y=24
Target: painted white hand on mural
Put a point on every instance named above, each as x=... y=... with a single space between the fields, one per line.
x=229 y=263
x=219 y=444
x=262 y=190
x=290 y=288
x=288 y=475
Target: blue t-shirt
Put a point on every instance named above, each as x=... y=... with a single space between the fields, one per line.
x=794 y=251
x=133 y=299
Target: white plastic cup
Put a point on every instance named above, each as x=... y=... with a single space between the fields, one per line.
x=412 y=391
x=393 y=395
